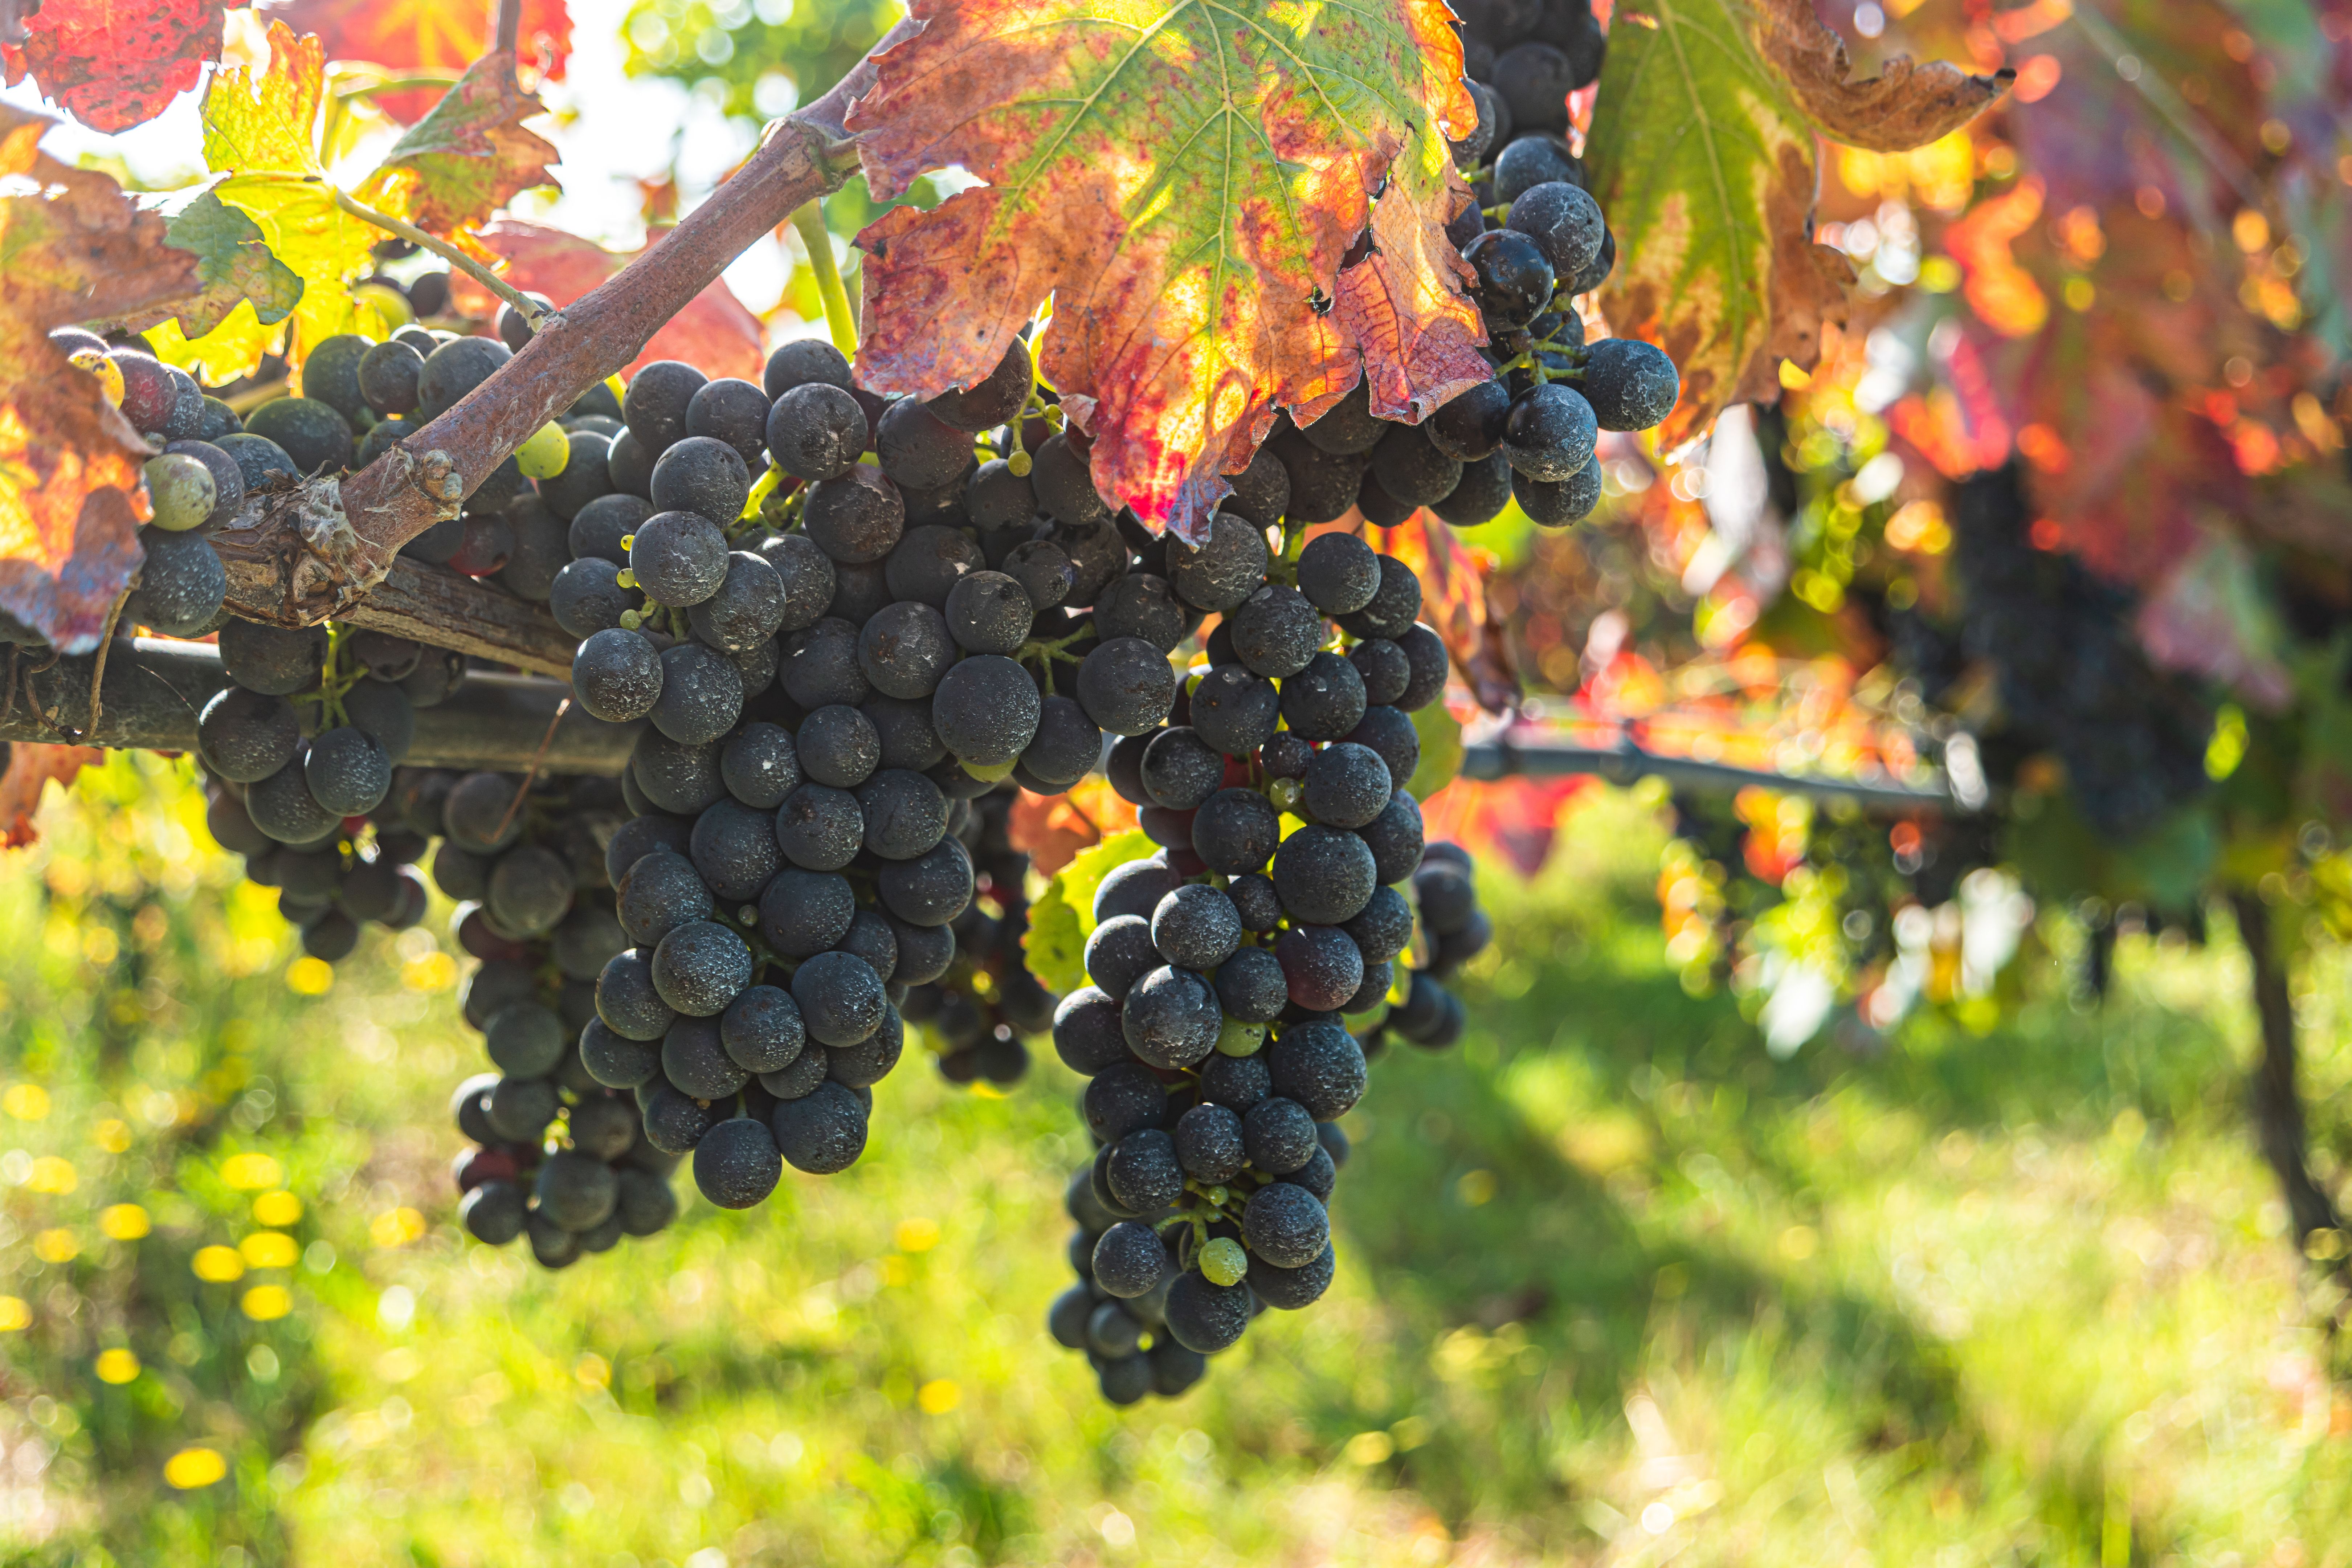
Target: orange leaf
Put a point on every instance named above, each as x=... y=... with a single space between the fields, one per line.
x=71 y=495
x=464 y=160
x=714 y=332
x=114 y=64
x=1187 y=183
x=1454 y=602
x=1052 y=828
x=26 y=769
x=405 y=36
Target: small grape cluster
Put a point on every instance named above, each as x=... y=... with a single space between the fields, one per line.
x=302 y=750
x=979 y=1012
x=1535 y=240
x=560 y=1157
x=1454 y=931
x=1223 y=967
x=193 y=484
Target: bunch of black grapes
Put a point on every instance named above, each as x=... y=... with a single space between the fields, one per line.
x=558 y=1157
x=835 y=663
x=1454 y=931
x=2073 y=677
x=978 y=1016
x=1536 y=240
x=302 y=751
x=1222 y=968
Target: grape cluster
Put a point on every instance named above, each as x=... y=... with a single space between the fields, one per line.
x=2073 y=677
x=1454 y=931
x=1535 y=240
x=978 y=1015
x=302 y=751
x=560 y=1157
x=838 y=665
x=194 y=483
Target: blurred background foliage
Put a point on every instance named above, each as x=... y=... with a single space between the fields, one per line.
x=1616 y=1284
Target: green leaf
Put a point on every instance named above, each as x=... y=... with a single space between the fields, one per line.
x=1702 y=154
x=233 y=264
x=1441 y=751
x=258 y=128
x=1064 y=918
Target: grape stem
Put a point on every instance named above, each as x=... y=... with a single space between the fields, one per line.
x=809 y=220
x=531 y=309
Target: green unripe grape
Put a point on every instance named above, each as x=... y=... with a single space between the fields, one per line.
x=545 y=453
x=182 y=491
x=1237 y=1038
x=1223 y=1261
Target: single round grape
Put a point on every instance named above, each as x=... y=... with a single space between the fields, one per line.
x=1203 y=1317
x=1320 y=1066
x=988 y=613
x=805 y=913
x=1322 y=966
x=906 y=815
x=181 y=491
x=803 y=360
x=697 y=1064
x=1235 y=830
x=655 y=403
x=930 y=889
x=1557 y=504
x=617 y=674
x=1278 y=632
x=822 y=1131
x=918 y=449
x=1064 y=487
x=1348 y=427
x=1514 y=282
x=820 y=828
x=986 y=709
x=855 y=519
x=700 y=967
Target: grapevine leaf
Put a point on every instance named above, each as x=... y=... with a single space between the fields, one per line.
x=72 y=245
x=114 y=64
x=24 y=779
x=1441 y=751
x=1703 y=154
x=465 y=159
x=1062 y=919
x=1186 y=179
x=259 y=127
x=233 y=264
x=409 y=36
x=1052 y=828
x=714 y=332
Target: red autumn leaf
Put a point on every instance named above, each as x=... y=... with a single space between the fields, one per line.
x=27 y=769
x=714 y=333
x=426 y=35
x=463 y=160
x=114 y=64
x=1186 y=181
x=1052 y=828
x=1455 y=605
x=71 y=496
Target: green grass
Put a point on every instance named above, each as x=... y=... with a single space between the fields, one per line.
x=1614 y=1287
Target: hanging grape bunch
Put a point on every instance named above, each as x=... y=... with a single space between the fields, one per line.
x=560 y=1157
x=979 y=1012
